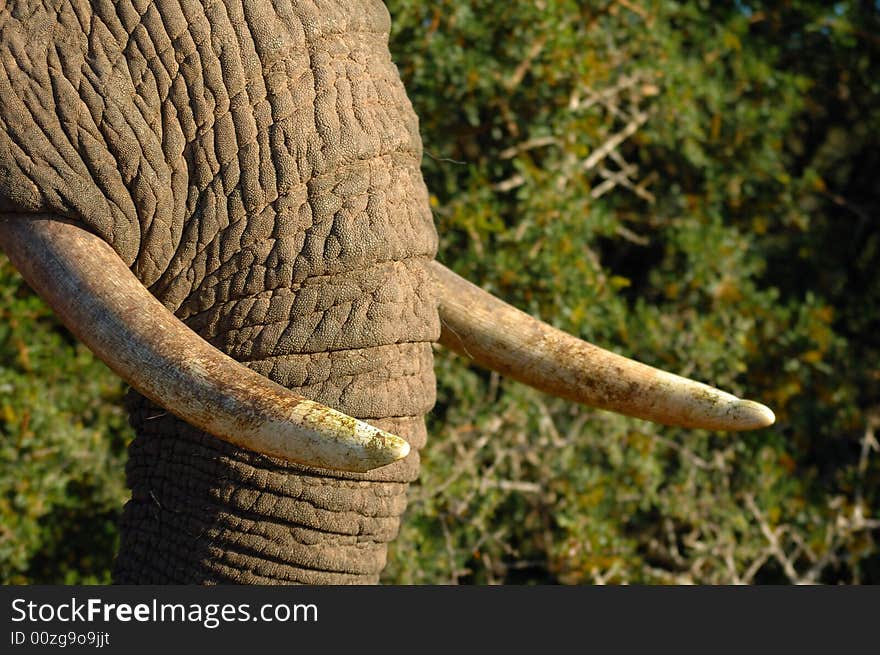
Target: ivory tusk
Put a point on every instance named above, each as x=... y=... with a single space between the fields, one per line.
x=502 y=338
x=101 y=301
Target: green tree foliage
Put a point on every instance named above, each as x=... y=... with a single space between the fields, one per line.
x=689 y=183
x=63 y=434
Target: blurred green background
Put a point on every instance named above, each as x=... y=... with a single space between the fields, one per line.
x=694 y=184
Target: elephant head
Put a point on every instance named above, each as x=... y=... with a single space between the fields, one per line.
x=224 y=201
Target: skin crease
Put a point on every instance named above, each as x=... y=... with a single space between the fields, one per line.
x=256 y=164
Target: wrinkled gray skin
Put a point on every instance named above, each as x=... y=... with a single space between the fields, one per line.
x=256 y=163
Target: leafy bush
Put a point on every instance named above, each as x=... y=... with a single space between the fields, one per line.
x=689 y=183
x=63 y=435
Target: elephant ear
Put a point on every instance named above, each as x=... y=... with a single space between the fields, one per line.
x=102 y=302
x=502 y=338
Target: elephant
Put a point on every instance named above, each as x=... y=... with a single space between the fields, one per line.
x=223 y=200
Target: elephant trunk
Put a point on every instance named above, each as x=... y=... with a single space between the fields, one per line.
x=203 y=511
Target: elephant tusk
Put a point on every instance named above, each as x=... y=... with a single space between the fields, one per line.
x=504 y=339
x=102 y=302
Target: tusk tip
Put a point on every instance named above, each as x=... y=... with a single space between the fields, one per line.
x=379 y=449
x=750 y=415
x=396 y=447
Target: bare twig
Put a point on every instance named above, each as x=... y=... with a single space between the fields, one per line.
x=602 y=578
x=636 y=9
x=688 y=454
x=509 y=184
x=602 y=97
x=632 y=237
x=511 y=485
x=605 y=149
x=775 y=548
x=528 y=144
x=514 y=80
